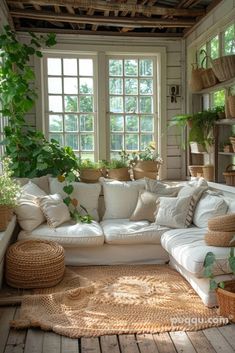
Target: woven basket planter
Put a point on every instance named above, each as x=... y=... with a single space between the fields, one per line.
x=196 y=79
x=222 y=223
x=90 y=175
x=6 y=214
x=208 y=78
x=226 y=300
x=121 y=174
x=34 y=264
x=218 y=238
x=148 y=169
x=224 y=67
x=232 y=140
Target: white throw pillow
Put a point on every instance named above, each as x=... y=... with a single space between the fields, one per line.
x=121 y=198
x=209 y=206
x=173 y=212
x=54 y=209
x=29 y=214
x=86 y=194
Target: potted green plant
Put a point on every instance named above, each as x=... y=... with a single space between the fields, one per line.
x=90 y=172
x=119 y=169
x=9 y=193
x=31 y=154
x=146 y=163
x=225 y=290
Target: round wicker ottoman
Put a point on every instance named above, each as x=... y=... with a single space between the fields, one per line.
x=34 y=264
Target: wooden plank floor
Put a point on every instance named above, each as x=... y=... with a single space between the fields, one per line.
x=213 y=340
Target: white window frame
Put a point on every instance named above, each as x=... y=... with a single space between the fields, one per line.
x=102 y=47
x=154 y=95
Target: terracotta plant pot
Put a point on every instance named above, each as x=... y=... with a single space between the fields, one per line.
x=121 y=174
x=147 y=169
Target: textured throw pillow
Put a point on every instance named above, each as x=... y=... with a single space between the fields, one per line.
x=54 y=209
x=29 y=214
x=42 y=182
x=121 y=198
x=209 y=206
x=159 y=187
x=173 y=212
x=86 y=194
x=146 y=204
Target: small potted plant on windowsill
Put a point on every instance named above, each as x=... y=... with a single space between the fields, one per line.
x=9 y=193
x=146 y=163
x=225 y=290
x=119 y=169
x=90 y=172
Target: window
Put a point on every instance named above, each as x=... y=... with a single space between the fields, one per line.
x=71 y=103
x=214 y=47
x=124 y=101
x=229 y=40
x=218 y=98
x=131 y=102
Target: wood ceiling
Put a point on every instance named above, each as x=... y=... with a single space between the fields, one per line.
x=120 y=17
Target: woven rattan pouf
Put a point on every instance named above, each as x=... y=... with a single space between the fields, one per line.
x=34 y=264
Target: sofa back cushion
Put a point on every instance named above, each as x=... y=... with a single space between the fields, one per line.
x=42 y=182
x=29 y=214
x=209 y=206
x=86 y=194
x=121 y=198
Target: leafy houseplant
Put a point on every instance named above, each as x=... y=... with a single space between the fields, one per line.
x=77 y=211
x=32 y=155
x=9 y=193
x=225 y=289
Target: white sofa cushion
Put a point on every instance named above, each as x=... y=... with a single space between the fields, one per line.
x=68 y=234
x=29 y=215
x=188 y=248
x=121 y=198
x=86 y=194
x=210 y=205
x=123 y=231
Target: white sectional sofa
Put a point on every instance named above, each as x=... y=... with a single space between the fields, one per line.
x=117 y=240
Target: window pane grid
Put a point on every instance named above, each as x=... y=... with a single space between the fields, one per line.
x=131 y=104
x=71 y=103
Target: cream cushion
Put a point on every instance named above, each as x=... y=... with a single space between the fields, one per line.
x=68 y=234
x=29 y=214
x=188 y=248
x=209 y=206
x=42 y=182
x=86 y=194
x=123 y=231
x=173 y=212
x=158 y=187
x=54 y=209
x=146 y=204
x=121 y=198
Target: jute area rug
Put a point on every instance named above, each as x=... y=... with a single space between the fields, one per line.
x=102 y=300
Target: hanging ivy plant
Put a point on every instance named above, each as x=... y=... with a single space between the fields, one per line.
x=32 y=155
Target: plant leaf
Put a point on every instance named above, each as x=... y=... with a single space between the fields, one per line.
x=68 y=189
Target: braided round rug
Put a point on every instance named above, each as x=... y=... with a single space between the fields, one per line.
x=102 y=300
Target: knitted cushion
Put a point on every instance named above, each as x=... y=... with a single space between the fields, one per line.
x=34 y=264
x=223 y=239
x=222 y=223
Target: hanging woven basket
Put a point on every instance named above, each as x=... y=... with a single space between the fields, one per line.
x=224 y=67
x=196 y=84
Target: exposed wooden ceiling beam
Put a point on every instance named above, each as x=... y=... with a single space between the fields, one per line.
x=106 y=33
x=103 y=5
x=137 y=22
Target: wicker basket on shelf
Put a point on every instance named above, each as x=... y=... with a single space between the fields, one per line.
x=226 y=300
x=231 y=105
x=229 y=175
x=232 y=140
x=207 y=75
x=195 y=170
x=224 y=67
